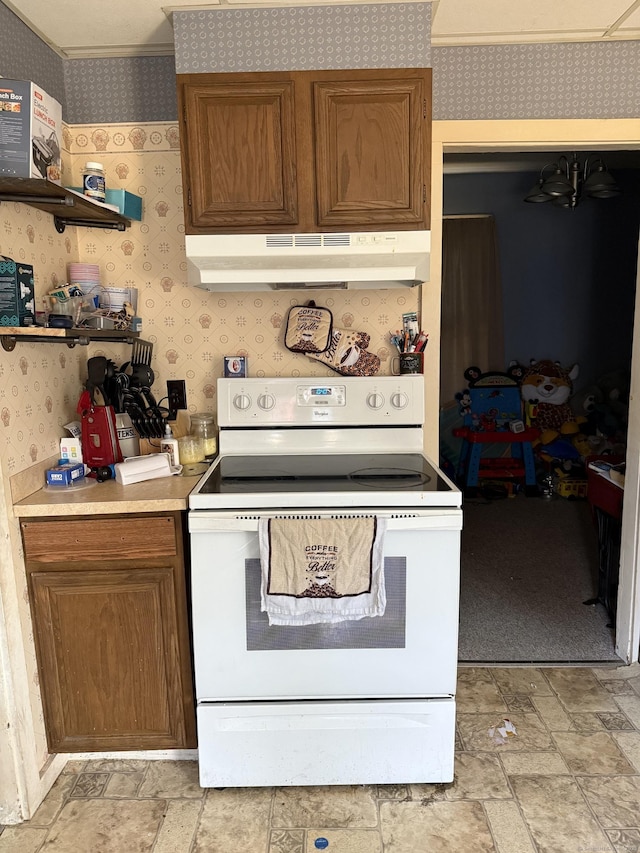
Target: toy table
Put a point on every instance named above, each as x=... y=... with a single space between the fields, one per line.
x=520 y=465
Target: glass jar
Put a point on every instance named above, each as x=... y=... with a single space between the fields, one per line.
x=203 y=424
x=190 y=449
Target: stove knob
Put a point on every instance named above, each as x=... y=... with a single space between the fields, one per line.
x=399 y=400
x=242 y=402
x=375 y=400
x=266 y=401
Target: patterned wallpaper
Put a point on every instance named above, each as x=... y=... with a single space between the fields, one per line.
x=192 y=329
x=578 y=80
x=529 y=81
x=129 y=88
x=24 y=56
x=307 y=38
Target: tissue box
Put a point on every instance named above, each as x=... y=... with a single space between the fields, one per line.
x=30 y=131
x=17 y=304
x=64 y=474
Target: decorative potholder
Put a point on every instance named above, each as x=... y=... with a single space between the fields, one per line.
x=308 y=328
x=348 y=354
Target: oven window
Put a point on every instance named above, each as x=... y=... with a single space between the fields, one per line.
x=380 y=632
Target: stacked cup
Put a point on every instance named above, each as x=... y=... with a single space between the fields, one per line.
x=87 y=278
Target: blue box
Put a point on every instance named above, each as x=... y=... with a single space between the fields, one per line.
x=128 y=204
x=65 y=474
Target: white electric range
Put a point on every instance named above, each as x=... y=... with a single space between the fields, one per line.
x=361 y=701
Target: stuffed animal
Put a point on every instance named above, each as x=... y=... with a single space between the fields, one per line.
x=546 y=387
x=464 y=402
x=604 y=406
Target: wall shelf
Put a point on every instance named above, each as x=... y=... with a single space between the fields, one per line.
x=10 y=335
x=66 y=207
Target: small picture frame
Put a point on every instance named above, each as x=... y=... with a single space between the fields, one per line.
x=235 y=366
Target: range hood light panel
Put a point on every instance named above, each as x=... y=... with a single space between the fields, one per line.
x=304 y=285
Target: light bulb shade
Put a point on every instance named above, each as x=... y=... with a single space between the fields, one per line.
x=537 y=195
x=557 y=184
x=565 y=182
x=601 y=184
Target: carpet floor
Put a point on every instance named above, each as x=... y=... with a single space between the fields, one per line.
x=527 y=566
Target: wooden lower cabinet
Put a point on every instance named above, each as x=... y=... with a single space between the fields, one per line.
x=110 y=617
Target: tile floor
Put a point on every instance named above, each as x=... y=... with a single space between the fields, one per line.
x=567 y=782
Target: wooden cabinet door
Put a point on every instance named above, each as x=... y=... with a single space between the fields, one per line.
x=110 y=616
x=109 y=659
x=238 y=152
x=372 y=150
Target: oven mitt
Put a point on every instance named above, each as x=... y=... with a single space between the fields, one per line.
x=308 y=328
x=347 y=354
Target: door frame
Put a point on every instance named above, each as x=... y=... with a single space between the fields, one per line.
x=545 y=135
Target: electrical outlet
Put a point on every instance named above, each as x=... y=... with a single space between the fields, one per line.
x=177 y=396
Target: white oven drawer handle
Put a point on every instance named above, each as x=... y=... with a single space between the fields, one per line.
x=325 y=722
x=205 y=522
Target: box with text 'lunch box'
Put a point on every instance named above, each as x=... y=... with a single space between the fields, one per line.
x=30 y=132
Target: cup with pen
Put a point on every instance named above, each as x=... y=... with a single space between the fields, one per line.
x=410 y=358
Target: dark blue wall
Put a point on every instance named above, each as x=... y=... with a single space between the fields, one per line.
x=568 y=277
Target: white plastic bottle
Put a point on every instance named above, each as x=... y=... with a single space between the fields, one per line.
x=169 y=445
x=93 y=182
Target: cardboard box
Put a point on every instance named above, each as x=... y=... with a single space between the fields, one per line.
x=30 y=132
x=128 y=204
x=17 y=302
x=65 y=474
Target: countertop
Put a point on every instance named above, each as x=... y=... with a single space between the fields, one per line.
x=163 y=494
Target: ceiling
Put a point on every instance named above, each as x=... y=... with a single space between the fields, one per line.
x=143 y=27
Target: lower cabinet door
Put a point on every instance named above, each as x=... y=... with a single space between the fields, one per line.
x=110 y=665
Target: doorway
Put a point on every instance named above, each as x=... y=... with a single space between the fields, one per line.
x=476 y=137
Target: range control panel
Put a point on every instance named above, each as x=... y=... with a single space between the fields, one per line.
x=352 y=401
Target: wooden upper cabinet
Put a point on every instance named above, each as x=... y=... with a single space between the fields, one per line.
x=371 y=166
x=306 y=151
x=238 y=153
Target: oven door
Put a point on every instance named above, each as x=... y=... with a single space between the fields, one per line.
x=410 y=651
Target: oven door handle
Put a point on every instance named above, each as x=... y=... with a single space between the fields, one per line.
x=203 y=521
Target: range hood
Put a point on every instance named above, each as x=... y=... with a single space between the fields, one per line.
x=237 y=262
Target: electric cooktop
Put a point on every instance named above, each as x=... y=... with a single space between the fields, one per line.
x=383 y=472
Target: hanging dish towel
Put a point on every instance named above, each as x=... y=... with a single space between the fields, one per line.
x=321 y=569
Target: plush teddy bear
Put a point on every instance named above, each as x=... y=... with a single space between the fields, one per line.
x=347 y=354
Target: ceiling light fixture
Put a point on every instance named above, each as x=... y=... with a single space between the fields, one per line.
x=566 y=181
